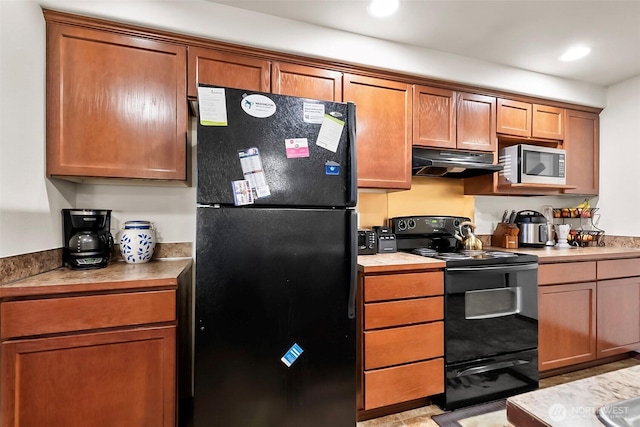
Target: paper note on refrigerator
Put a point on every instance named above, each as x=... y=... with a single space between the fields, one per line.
x=330 y=133
x=313 y=113
x=212 y=105
x=252 y=171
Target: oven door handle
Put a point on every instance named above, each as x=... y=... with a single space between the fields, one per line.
x=482 y=268
x=491 y=367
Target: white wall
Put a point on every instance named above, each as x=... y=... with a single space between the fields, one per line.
x=30 y=203
x=620 y=159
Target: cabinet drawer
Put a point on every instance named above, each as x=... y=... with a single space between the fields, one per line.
x=615 y=268
x=403 y=345
x=47 y=316
x=566 y=272
x=398 y=286
x=406 y=312
x=402 y=383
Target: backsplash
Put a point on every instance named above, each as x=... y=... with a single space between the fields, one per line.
x=428 y=196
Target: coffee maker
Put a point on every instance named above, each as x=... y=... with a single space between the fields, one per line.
x=87 y=240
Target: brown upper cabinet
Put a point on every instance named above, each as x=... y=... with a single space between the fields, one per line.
x=447 y=119
x=582 y=145
x=526 y=120
x=306 y=82
x=434 y=117
x=226 y=69
x=383 y=113
x=115 y=105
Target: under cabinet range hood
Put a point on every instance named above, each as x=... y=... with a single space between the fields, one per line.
x=451 y=163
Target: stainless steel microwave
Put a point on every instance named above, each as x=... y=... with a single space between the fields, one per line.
x=532 y=164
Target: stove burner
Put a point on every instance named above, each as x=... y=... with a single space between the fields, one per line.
x=498 y=254
x=472 y=252
x=425 y=252
x=453 y=256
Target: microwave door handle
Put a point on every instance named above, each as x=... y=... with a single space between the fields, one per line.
x=491 y=367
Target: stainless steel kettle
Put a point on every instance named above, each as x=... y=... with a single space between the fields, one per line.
x=534 y=231
x=469 y=241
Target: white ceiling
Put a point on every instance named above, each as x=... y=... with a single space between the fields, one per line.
x=526 y=34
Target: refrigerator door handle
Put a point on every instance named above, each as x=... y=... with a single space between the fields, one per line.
x=353 y=235
x=351 y=123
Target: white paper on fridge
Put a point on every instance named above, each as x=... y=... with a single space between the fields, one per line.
x=313 y=113
x=212 y=105
x=252 y=171
x=330 y=132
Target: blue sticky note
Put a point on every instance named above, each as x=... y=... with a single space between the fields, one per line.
x=291 y=355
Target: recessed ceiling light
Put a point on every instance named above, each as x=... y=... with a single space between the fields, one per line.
x=574 y=53
x=381 y=8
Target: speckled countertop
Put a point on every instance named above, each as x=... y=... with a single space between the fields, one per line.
x=401 y=261
x=573 y=404
x=591 y=253
x=398 y=261
x=117 y=275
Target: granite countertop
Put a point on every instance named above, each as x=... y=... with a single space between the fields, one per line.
x=402 y=261
x=398 y=261
x=575 y=403
x=590 y=253
x=117 y=275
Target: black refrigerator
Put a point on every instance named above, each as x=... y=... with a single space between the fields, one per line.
x=275 y=261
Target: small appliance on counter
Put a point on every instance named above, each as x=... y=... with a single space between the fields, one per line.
x=87 y=240
x=534 y=231
x=386 y=240
x=367 y=242
x=137 y=241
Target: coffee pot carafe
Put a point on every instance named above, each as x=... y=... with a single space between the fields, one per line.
x=87 y=240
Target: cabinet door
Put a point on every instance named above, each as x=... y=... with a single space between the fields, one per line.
x=548 y=122
x=476 y=122
x=115 y=105
x=582 y=145
x=434 y=117
x=618 y=316
x=567 y=324
x=306 y=82
x=514 y=117
x=124 y=378
x=383 y=110
x=227 y=69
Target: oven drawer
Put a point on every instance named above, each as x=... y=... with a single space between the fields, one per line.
x=399 y=286
x=405 y=312
x=42 y=316
x=402 y=383
x=388 y=347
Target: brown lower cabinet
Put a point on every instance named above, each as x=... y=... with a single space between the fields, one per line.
x=587 y=311
x=118 y=378
x=401 y=338
x=77 y=351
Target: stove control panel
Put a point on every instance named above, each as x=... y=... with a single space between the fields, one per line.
x=426 y=225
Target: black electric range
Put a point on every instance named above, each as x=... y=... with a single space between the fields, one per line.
x=490 y=312
x=433 y=236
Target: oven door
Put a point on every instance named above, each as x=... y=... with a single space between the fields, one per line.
x=490 y=310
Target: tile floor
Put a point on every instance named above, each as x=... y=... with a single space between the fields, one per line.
x=421 y=417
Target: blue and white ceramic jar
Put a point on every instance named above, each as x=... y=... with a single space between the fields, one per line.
x=137 y=241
